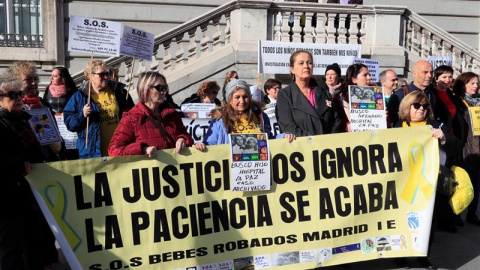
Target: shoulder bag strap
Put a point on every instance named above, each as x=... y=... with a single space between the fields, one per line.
x=164 y=132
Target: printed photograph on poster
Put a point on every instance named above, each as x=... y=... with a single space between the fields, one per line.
x=44 y=126
x=366 y=97
x=244 y=263
x=367 y=108
x=250 y=162
x=249 y=147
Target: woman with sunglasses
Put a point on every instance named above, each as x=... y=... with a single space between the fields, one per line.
x=152 y=125
x=415 y=110
x=108 y=100
x=26 y=242
x=206 y=93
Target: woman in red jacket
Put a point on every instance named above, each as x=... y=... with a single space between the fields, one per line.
x=152 y=124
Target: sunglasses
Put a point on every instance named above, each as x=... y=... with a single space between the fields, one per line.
x=102 y=74
x=160 y=88
x=417 y=105
x=14 y=94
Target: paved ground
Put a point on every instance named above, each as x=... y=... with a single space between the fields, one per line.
x=451 y=251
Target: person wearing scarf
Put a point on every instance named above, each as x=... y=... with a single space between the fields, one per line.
x=466 y=87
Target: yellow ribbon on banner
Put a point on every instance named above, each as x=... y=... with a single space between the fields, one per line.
x=58 y=211
x=416 y=180
x=403 y=242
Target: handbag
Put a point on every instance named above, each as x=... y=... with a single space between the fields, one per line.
x=446 y=182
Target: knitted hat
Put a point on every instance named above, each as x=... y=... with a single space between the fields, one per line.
x=235 y=84
x=335 y=67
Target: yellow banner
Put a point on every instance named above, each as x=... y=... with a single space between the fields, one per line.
x=334 y=199
x=475 y=113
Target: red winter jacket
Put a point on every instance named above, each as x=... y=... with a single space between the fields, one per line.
x=135 y=131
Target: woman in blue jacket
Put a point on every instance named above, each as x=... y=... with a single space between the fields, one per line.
x=109 y=100
x=240 y=115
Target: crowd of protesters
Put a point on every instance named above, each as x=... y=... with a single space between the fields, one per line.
x=108 y=123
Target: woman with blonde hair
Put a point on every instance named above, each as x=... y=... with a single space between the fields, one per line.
x=103 y=102
x=152 y=125
x=415 y=110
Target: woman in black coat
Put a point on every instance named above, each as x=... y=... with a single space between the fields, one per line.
x=303 y=108
x=26 y=242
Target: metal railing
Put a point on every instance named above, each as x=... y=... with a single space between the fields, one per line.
x=21 y=23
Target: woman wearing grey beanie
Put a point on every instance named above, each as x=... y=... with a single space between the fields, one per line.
x=239 y=115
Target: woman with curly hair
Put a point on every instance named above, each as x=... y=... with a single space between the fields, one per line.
x=27 y=73
x=206 y=93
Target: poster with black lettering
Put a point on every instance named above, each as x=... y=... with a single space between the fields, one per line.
x=44 y=126
x=137 y=43
x=334 y=199
x=367 y=109
x=197 y=110
x=274 y=56
x=94 y=36
x=437 y=61
x=250 y=162
x=197 y=127
x=475 y=119
x=372 y=65
x=68 y=137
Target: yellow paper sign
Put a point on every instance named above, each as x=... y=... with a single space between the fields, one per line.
x=475 y=113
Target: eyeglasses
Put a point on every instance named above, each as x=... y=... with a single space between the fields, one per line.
x=13 y=94
x=417 y=105
x=160 y=87
x=102 y=74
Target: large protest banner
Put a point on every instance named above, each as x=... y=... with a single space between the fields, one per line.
x=334 y=199
x=274 y=56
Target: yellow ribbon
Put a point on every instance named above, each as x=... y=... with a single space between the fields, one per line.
x=416 y=180
x=58 y=211
x=403 y=242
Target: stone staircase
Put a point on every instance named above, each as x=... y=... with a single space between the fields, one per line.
x=226 y=37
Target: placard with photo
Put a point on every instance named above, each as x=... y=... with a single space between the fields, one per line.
x=44 y=126
x=250 y=162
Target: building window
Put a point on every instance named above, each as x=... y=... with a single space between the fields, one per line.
x=21 y=23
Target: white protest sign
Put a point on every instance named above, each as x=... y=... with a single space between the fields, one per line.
x=69 y=137
x=367 y=109
x=250 y=162
x=372 y=65
x=197 y=127
x=437 y=61
x=274 y=56
x=197 y=110
x=137 y=43
x=94 y=36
